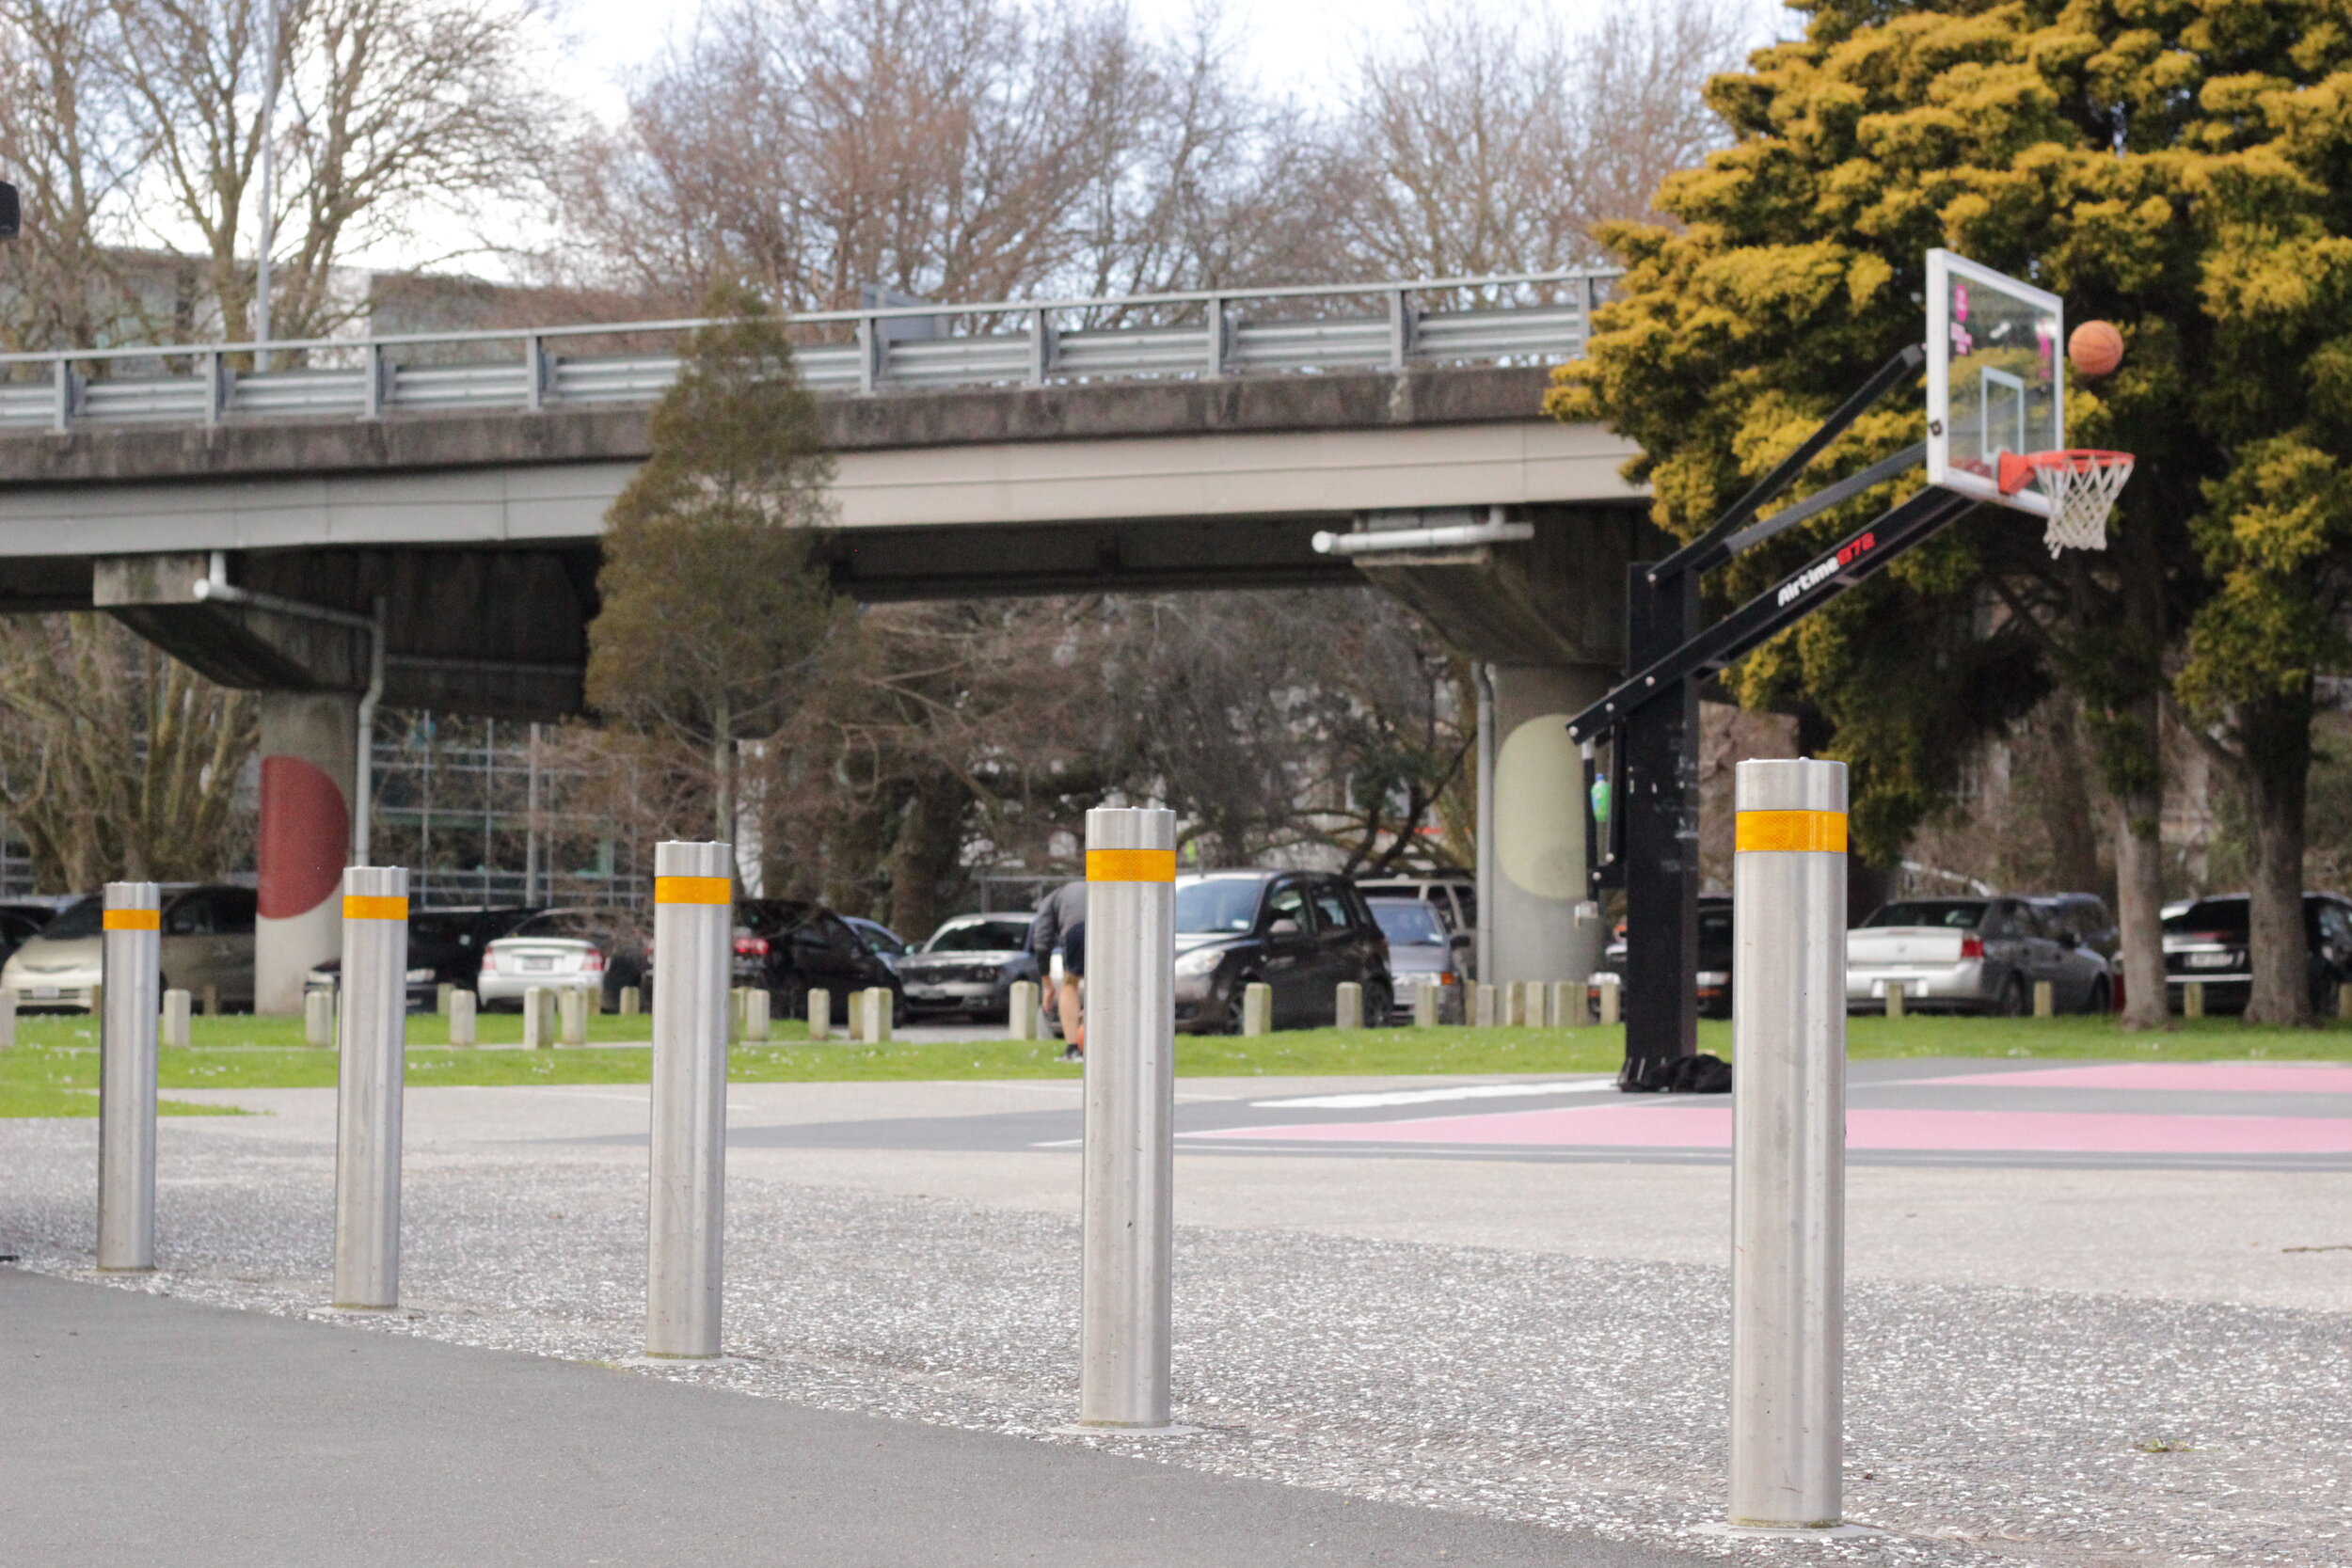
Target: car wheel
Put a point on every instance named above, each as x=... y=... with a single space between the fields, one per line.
x=2013 y=1000
x=2102 y=997
x=1230 y=1016
x=788 y=1001
x=1379 y=1004
x=899 y=1011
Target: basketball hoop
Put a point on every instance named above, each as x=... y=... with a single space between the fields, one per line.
x=2082 y=484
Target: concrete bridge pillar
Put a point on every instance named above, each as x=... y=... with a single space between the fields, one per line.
x=1539 y=920
x=310 y=753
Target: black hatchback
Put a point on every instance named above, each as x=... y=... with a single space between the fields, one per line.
x=793 y=948
x=1302 y=932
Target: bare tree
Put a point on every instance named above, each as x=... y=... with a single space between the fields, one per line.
x=66 y=140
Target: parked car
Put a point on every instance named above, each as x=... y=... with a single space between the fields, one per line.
x=793 y=947
x=19 y=922
x=445 y=948
x=559 y=950
x=2207 y=940
x=1422 y=951
x=1301 y=932
x=887 y=944
x=207 y=943
x=1452 y=893
x=1713 y=980
x=1973 y=955
x=969 y=965
x=2086 y=915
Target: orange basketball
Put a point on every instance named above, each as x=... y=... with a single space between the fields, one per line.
x=2096 y=348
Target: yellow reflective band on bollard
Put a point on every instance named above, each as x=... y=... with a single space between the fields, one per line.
x=133 y=920
x=693 y=890
x=1820 y=831
x=1131 y=866
x=363 y=906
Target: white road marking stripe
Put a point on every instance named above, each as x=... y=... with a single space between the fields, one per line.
x=1427 y=1097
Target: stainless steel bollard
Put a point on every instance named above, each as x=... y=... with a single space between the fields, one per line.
x=461 y=1015
x=1348 y=1006
x=318 y=1018
x=571 y=1013
x=175 y=1029
x=1020 y=1011
x=1611 y=993
x=1788 y=1145
x=1426 y=997
x=373 y=1034
x=1482 y=1007
x=7 y=1016
x=1257 y=1007
x=131 y=948
x=1127 y=1219
x=694 y=955
x=819 y=1013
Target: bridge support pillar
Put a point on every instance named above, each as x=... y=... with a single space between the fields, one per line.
x=309 y=751
x=1539 y=920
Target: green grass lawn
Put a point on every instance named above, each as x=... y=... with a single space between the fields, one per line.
x=54 y=1069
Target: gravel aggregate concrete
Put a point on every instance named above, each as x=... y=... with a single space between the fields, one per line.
x=1531 y=1376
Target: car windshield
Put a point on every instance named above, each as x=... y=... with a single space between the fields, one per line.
x=2222 y=916
x=79 y=920
x=980 y=936
x=1216 y=905
x=1952 y=914
x=429 y=926
x=1401 y=922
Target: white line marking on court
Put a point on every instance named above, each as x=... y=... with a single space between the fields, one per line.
x=1426 y=1097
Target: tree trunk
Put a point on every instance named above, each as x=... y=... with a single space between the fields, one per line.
x=2139 y=909
x=930 y=842
x=723 y=780
x=2277 y=737
x=2068 y=812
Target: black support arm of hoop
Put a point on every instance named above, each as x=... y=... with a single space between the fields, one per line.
x=1856 y=559
x=1716 y=545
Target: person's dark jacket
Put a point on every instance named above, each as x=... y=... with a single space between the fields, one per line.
x=1055 y=913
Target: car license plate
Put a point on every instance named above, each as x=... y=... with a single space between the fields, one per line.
x=44 y=993
x=538 y=963
x=2210 y=960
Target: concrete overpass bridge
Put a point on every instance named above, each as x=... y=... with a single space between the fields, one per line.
x=415 y=519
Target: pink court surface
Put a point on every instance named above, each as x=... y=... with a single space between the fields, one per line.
x=2304 y=1111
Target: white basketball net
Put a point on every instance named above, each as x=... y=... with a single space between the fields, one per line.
x=2082 y=486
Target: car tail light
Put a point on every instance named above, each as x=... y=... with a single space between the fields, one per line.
x=1972 y=947
x=489 y=962
x=751 y=947
x=1446 y=978
x=593 y=963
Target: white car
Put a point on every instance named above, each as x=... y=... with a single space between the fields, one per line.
x=560 y=950
x=1972 y=954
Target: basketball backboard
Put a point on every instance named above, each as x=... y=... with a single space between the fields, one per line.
x=1995 y=383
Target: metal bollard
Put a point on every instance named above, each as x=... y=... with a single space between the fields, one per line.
x=1611 y=993
x=318 y=1018
x=1348 y=1006
x=2193 y=999
x=1257 y=1009
x=571 y=1013
x=131 y=948
x=632 y=1001
x=756 y=1006
x=1426 y=997
x=1895 y=990
x=1482 y=1007
x=372 y=1034
x=461 y=1011
x=693 y=954
x=819 y=1013
x=1788 y=1145
x=2044 y=999
x=1020 y=1011
x=175 y=1017
x=1127 y=1216
x=7 y=1016
x=536 y=1034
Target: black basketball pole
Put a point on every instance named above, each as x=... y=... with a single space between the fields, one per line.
x=1660 y=741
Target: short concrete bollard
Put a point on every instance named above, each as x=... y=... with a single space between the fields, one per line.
x=131 y=949
x=819 y=1013
x=370 y=1081
x=756 y=1021
x=2044 y=999
x=1425 y=1003
x=318 y=1018
x=1611 y=995
x=461 y=1024
x=571 y=1013
x=212 y=1001
x=1020 y=1011
x=2193 y=999
x=632 y=1001
x=2344 y=1003
x=1788 y=1146
x=694 y=953
x=7 y=1016
x=537 y=1035
x=1257 y=1009
x=1895 y=998
x=441 y=993
x=175 y=1017
x=1567 y=1005
x=1515 y=1009
x=1348 y=1006
x=1127 y=1210
x=1482 y=1007
x=872 y=1008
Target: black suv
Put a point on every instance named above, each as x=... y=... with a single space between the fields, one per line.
x=1301 y=932
x=2208 y=942
x=793 y=948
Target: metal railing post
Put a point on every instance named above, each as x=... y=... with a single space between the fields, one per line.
x=371 y=1035
x=61 y=413
x=534 y=372
x=372 y=365
x=870 y=350
x=131 y=951
x=1400 y=330
x=693 y=893
x=1215 y=346
x=1041 y=348
x=1127 y=1220
x=214 y=367
x=1788 y=1145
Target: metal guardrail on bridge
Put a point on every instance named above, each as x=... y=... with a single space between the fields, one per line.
x=1526 y=317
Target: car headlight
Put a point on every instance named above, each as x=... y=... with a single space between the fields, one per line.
x=418 y=976
x=1200 y=960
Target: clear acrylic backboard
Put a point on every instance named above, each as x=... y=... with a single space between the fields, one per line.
x=1996 y=382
